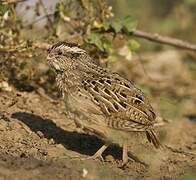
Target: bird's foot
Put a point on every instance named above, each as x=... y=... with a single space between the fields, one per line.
x=97 y=155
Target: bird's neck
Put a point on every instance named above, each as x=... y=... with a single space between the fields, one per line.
x=68 y=81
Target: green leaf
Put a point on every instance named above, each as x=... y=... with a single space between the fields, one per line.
x=129 y=23
x=106 y=25
x=87 y=4
x=107 y=45
x=133 y=45
x=188 y=177
x=95 y=38
x=117 y=25
x=3 y=8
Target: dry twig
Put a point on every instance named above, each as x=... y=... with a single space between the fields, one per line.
x=41 y=45
x=164 y=40
x=47 y=14
x=149 y=36
x=12 y=1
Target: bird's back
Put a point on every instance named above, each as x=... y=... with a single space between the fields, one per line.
x=123 y=105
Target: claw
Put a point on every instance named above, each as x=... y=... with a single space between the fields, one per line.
x=97 y=155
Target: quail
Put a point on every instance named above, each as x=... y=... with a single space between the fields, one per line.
x=99 y=101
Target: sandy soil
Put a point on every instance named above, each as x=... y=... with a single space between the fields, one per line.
x=37 y=141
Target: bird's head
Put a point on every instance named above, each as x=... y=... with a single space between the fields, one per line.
x=63 y=56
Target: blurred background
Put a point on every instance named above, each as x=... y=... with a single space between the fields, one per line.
x=105 y=29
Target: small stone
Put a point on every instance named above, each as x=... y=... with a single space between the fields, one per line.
x=43 y=152
x=14 y=125
x=3 y=125
x=51 y=141
x=33 y=151
x=170 y=168
x=4 y=86
x=40 y=134
x=23 y=155
x=34 y=136
x=84 y=172
x=60 y=146
x=166 y=177
x=109 y=158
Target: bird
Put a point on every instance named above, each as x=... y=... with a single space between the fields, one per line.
x=101 y=102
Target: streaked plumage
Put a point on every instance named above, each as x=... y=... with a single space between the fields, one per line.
x=100 y=102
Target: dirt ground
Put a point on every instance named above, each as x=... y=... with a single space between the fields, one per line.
x=37 y=141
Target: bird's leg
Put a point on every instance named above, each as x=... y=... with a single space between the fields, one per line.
x=79 y=126
x=125 y=154
x=98 y=154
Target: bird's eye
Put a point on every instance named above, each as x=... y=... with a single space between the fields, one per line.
x=60 y=53
x=75 y=55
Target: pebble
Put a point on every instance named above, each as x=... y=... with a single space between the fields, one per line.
x=51 y=141
x=40 y=134
x=4 y=86
x=109 y=158
x=14 y=125
x=84 y=172
x=3 y=125
x=60 y=146
x=33 y=151
x=43 y=152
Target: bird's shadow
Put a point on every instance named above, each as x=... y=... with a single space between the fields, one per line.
x=81 y=143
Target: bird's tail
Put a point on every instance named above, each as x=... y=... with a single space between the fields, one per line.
x=151 y=136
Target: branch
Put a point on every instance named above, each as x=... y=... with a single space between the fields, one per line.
x=149 y=36
x=39 y=19
x=12 y=1
x=164 y=40
x=155 y=37
x=46 y=13
x=5 y=50
x=40 y=45
x=137 y=33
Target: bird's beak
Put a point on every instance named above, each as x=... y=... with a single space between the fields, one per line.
x=53 y=62
x=49 y=57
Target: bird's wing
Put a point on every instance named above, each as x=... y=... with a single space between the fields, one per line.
x=124 y=105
